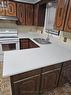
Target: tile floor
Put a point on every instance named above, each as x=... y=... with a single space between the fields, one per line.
x=5 y=87
x=65 y=90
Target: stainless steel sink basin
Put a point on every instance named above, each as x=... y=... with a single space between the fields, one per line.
x=42 y=41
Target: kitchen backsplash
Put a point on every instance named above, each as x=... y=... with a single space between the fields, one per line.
x=20 y=28
x=67 y=34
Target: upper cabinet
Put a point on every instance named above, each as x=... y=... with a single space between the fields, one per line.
x=29 y=14
x=63 y=16
x=25 y=13
x=21 y=13
x=61 y=11
x=11 y=9
x=68 y=19
x=7 y=8
x=39 y=14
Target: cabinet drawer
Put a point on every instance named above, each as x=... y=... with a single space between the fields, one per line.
x=25 y=75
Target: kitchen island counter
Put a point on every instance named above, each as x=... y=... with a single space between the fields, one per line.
x=19 y=61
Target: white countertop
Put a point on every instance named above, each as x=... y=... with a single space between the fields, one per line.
x=19 y=61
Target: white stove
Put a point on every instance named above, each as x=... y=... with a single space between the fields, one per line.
x=8 y=40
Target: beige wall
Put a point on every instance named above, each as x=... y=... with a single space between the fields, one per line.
x=20 y=28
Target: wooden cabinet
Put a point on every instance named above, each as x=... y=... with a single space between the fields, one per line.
x=50 y=76
x=36 y=82
x=26 y=83
x=65 y=76
x=68 y=19
x=9 y=8
x=27 y=43
x=61 y=12
x=29 y=14
x=39 y=14
x=25 y=13
x=21 y=13
x=63 y=16
x=2 y=12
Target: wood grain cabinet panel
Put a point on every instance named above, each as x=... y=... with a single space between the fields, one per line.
x=29 y=14
x=39 y=14
x=21 y=13
x=29 y=86
x=65 y=76
x=11 y=9
x=25 y=14
x=26 y=85
x=61 y=12
x=36 y=82
x=68 y=19
x=50 y=76
x=2 y=12
x=41 y=18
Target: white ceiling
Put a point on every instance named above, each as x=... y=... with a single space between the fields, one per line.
x=28 y=1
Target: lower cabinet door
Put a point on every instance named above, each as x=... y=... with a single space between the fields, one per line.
x=65 y=74
x=49 y=80
x=27 y=86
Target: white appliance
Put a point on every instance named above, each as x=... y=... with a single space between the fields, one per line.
x=8 y=41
